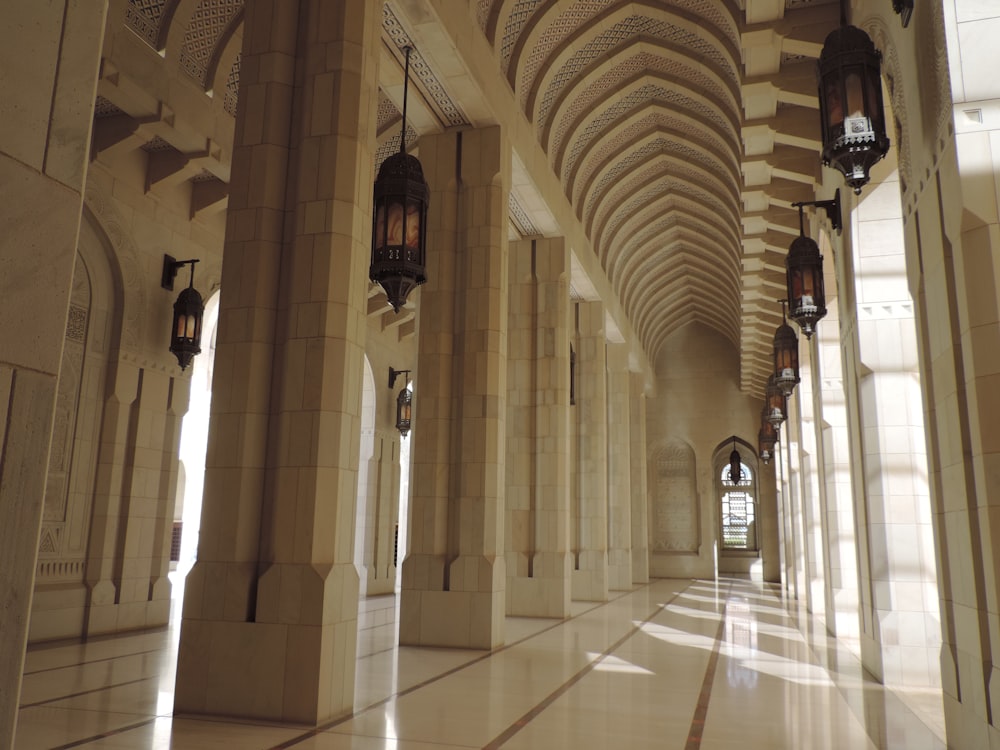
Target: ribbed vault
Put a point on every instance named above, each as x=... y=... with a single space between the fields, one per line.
x=637 y=105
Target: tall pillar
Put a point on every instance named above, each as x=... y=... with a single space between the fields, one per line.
x=793 y=479
x=809 y=461
x=786 y=539
x=590 y=510
x=838 y=525
x=640 y=496
x=454 y=576
x=619 y=469
x=901 y=571
x=536 y=519
x=49 y=53
x=270 y=611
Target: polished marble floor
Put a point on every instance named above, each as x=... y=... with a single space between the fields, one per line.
x=673 y=664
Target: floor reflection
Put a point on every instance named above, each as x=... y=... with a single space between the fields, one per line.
x=709 y=664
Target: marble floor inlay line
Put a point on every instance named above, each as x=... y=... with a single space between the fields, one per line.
x=481 y=657
x=701 y=710
x=518 y=725
x=85 y=692
x=104 y=735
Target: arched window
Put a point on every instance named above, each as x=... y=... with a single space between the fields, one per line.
x=739 y=516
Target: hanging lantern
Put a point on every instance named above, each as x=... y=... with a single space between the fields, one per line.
x=767 y=438
x=804 y=278
x=404 y=405
x=852 y=116
x=735 y=468
x=189 y=313
x=399 y=232
x=786 y=356
x=775 y=403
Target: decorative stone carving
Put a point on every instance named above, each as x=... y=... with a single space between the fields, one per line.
x=207 y=26
x=893 y=74
x=445 y=107
x=676 y=522
x=144 y=18
x=233 y=87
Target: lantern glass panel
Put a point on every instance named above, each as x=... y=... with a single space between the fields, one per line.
x=413 y=227
x=855 y=95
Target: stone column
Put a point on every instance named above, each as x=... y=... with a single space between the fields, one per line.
x=790 y=431
x=454 y=576
x=809 y=461
x=536 y=519
x=619 y=469
x=639 y=479
x=904 y=643
x=590 y=519
x=838 y=525
x=270 y=611
x=49 y=53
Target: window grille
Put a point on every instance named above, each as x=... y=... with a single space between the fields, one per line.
x=738 y=511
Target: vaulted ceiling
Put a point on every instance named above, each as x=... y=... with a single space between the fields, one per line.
x=679 y=131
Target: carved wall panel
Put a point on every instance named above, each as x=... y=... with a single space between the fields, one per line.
x=675 y=522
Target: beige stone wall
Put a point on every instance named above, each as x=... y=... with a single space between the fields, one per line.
x=697 y=404
x=50 y=56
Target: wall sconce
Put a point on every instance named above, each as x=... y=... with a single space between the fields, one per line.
x=189 y=312
x=404 y=402
x=804 y=270
x=735 y=465
x=775 y=403
x=399 y=232
x=786 y=355
x=852 y=117
x=767 y=438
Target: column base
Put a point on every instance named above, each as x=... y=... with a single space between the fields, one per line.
x=590 y=580
x=547 y=594
x=296 y=663
x=459 y=618
x=640 y=565
x=619 y=569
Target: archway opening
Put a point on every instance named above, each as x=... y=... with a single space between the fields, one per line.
x=191 y=454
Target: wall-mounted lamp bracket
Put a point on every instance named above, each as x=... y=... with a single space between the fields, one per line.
x=393 y=374
x=170 y=268
x=832 y=208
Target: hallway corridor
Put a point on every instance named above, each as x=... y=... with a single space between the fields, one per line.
x=674 y=664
